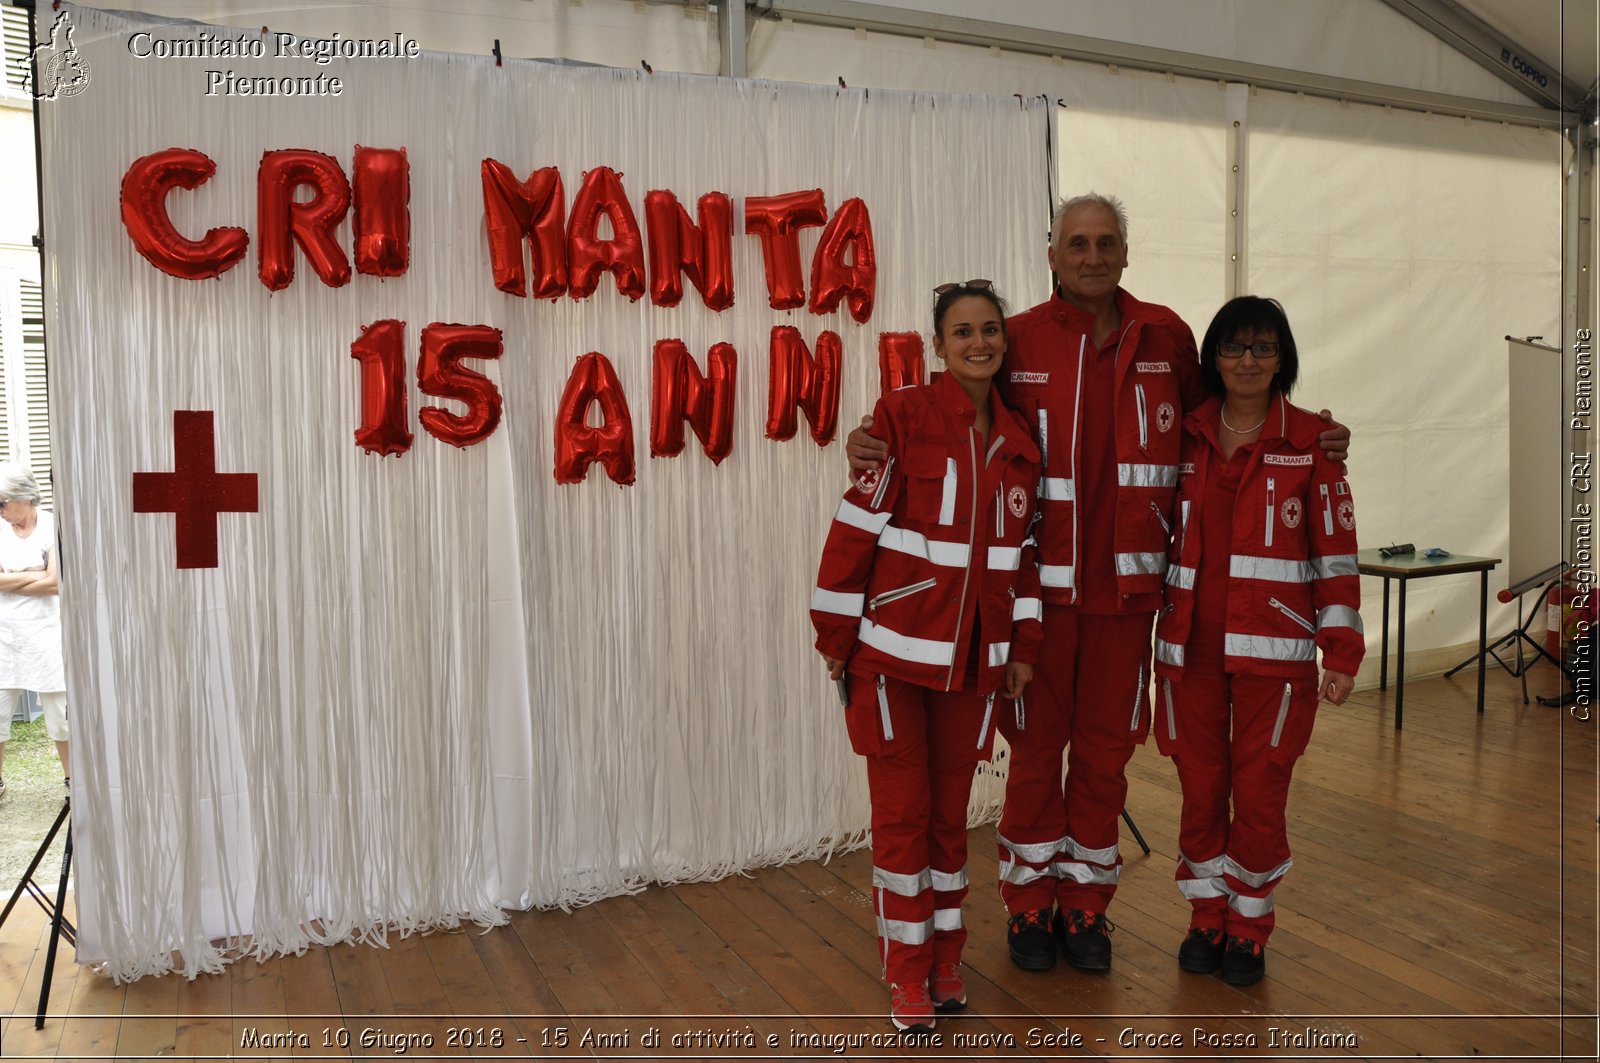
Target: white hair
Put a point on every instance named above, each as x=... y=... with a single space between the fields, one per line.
x=1090 y=199
x=17 y=483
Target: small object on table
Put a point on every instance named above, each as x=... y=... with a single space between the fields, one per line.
x=1392 y=550
x=1437 y=551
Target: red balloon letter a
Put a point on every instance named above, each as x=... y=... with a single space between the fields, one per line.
x=578 y=444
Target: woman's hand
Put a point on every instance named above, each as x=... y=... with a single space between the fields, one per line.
x=835 y=666
x=865 y=451
x=1018 y=676
x=1336 y=686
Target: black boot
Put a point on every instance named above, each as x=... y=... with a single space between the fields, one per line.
x=1244 y=962
x=1085 y=939
x=1028 y=934
x=1201 y=951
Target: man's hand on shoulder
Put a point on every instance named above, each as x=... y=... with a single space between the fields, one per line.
x=867 y=451
x=1334 y=440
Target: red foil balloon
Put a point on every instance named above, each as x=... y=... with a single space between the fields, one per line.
x=381 y=352
x=798 y=380
x=281 y=222
x=144 y=215
x=900 y=360
x=579 y=444
x=778 y=221
x=440 y=373
x=679 y=393
x=678 y=247
x=848 y=235
x=622 y=254
x=535 y=209
x=383 y=211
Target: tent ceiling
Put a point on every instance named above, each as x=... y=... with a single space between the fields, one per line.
x=1546 y=48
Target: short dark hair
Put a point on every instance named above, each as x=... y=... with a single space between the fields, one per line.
x=947 y=298
x=1253 y=314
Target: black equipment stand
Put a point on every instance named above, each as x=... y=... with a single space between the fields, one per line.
x=60 y=926
x=1519 y=637
x=1136 y=835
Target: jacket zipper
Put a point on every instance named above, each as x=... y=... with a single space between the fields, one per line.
x=883 y=484
x=1144 y=427
x=1138 y=701
x=1272 y=506
x=883 y=711
x=1283 y=714
x=903 y=592
x=1183 y=526
x=1022 y=715
x=1000 y=512
x=1157 y=511
x=972 y=541
x=988 y=713
x=1172 y=716
x=1292 y=615
x=1327 y=511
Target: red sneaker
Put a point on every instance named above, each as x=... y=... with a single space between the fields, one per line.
x=910 y=1007
x=948 y=991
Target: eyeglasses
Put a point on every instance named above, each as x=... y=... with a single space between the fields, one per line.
x=976 y=282
x=1264 y=350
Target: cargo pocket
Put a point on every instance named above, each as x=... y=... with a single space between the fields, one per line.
x=1296 y=717
x=1165 y=724
x=867 y=716
x=930 y=483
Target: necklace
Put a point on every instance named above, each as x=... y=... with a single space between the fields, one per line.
x=1240 y=431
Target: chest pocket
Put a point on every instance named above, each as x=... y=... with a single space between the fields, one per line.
x=930 y=474
x=1288 y=503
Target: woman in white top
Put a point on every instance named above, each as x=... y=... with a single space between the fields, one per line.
x=30 y=610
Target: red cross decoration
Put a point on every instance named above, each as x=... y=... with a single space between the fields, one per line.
x=194 y=490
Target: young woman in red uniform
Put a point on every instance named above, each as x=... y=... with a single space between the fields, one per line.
x=1262 y=575
x=926 y=607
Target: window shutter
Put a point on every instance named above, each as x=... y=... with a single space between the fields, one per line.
x=14 y=26
x=38 y=393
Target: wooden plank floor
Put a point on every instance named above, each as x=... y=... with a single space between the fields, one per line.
x=1442 y=906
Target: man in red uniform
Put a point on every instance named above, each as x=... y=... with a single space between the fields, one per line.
x=1104 y=380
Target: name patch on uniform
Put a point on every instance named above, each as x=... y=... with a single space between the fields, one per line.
x=1030 y=378
x=1286 y=459
x=1153 y=367
x=1186 y=469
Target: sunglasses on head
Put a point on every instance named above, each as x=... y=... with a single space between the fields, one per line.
x=977 y=282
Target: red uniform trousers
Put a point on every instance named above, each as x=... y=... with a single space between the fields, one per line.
x=1089 y=695
x=1229 y=868
x=919 y=773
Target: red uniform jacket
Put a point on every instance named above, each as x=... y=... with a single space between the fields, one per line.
x=1156 y=370
x=942 y=527
x=1293 y=585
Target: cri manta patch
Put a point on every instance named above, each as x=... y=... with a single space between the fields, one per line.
x=1030 y=378
x=1286 y=459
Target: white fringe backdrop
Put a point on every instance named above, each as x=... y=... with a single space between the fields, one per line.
x=417 y=689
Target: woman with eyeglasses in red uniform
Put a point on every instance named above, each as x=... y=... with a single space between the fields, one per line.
x=1261 y=576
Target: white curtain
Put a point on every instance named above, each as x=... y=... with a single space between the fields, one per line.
x=417 y=688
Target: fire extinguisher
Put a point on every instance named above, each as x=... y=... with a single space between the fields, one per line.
x=1557 y=616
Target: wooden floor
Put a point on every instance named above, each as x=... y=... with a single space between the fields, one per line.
x=1442 y=906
